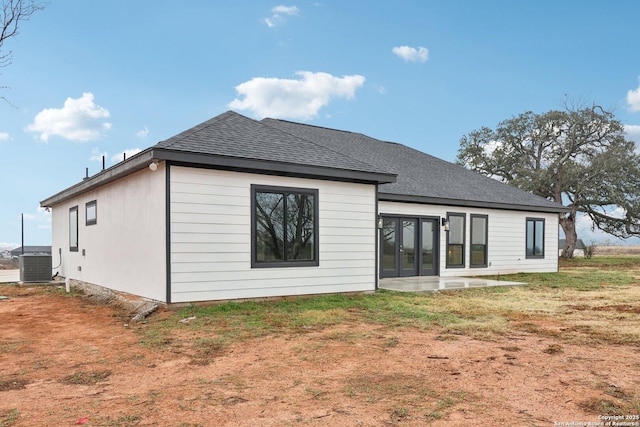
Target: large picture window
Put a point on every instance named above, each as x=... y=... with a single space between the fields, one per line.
x=535 y=238
x=284 y=227
x=73 y=229
x=479 y=236
x=455 y=240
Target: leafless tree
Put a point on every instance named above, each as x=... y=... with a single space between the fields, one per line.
x=13 y=12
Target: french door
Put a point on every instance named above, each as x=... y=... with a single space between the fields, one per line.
x=408 y=247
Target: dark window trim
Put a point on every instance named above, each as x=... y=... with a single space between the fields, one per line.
x=316 y=241
x=526 y=231
x=93 y=221
x=486 y=240
x=77 y=242
x=464 y=238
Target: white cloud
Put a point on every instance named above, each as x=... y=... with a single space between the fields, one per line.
x=118 y=157
x=279 y=15
x=632 y=132
x=633 y=99
x=299 y=99
x=143 y=132
x=287 y=10
x=4 y=136
x=40 y=216
x=411 y=54
x=79 y=119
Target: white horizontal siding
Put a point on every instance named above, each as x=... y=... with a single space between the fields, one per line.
x=506 y=238
x=210 y=215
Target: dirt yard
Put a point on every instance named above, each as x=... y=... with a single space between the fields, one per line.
x=68 y=361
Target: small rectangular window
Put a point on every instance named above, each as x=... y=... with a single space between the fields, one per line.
x=91 y=213
x=73 y=229
x=284 y=227
x=479 y=237
x=535 y=238
x=455 y=240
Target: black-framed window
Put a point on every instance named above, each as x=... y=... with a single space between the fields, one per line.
x=284 y=225
x=91 y=213
x=535 y=238
x=73 y=229
x=479 y=238
x=455 y=239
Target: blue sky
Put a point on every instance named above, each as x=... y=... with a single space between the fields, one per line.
x=106 y=78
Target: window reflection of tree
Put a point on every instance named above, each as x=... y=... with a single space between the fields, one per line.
x=284 y=226
x=299 y=223
x=270 y=226
x=389 y=244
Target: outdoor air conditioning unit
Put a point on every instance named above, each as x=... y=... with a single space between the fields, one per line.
x=35 y=268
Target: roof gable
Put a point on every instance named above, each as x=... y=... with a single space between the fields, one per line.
x=235 y=136
x=232 y=141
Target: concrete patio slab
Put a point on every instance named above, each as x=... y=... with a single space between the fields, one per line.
x=436 y=283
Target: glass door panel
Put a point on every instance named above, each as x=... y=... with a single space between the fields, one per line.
x=389 y=262
x=409 y=247
x=408 y=252
x=428 y=247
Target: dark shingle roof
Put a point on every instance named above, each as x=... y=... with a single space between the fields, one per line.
x=233 y=141
x=420 y=177
x=235 y=136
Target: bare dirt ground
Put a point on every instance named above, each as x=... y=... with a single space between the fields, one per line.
x=7 y=264
x=68 y=361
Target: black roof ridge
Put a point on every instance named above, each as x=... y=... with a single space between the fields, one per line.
x=368 y=137
x=333 y=129
x=414 y=183
x=320 y=145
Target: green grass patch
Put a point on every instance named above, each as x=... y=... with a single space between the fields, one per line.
x=584 y=299
x=86 y=378
x=9 y=417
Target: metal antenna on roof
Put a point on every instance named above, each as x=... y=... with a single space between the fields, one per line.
x=103 y=162
x=124 y=156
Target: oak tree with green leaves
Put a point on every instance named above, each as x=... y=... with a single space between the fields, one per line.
x=578 y=157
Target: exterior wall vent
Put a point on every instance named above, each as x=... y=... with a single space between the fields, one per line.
x=35 y=268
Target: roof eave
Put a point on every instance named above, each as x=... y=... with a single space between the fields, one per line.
x=120 y=170
x=188 y=158
x=404 y=198
x=144 y=158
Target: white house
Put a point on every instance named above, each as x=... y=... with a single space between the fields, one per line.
x=238 y=208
